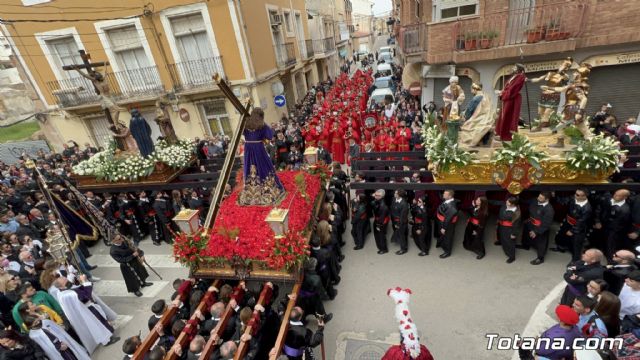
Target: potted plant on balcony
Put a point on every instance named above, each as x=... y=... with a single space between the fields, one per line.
x=553 y=30
x=486 y=39
x=470 y=40
x=534 y=34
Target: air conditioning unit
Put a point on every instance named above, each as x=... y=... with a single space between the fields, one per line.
x=276 y=19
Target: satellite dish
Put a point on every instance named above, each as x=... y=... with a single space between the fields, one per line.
x=277 y=88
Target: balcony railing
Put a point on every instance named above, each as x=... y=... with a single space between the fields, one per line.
x=127 y=84
x=308 y=47
x=196 y=73
x=411 y=38
x=329 y=44
x=520 y=26
x=318 y=46
x=285 y=54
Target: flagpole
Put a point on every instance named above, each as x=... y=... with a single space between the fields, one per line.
x=42 y=184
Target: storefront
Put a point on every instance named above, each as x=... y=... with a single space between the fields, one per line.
x=613 y=80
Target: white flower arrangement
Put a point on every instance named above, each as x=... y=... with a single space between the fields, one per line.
x=520 y=148
x=104 y=165
x=597 y=154
x=441 y=153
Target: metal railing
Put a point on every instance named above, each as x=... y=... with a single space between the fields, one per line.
x=520 y=26
x=308 y=46
x=329 y=44
x=318 y=46
x=411 y=38
x=285 y=54
x=126 y=84
x=196 y=73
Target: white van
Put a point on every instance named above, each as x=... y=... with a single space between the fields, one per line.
x=378 y=96
x=385 y=49
x=384 y=70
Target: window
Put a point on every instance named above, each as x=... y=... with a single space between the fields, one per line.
x=191 y=37
x=99 y=127
x=451 y=9
x=127 y=46
x=216 y=116
x=65 y=50
x=287 y=22
x=418 y=3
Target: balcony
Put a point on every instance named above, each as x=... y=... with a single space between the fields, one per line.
x=195 y=74
x=127 y=86
x=411 y=39
x=285 y=55
x=308 y=48
x=536 y=30
x=329 y=44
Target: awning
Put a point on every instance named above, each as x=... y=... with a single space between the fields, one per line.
x=411 y=74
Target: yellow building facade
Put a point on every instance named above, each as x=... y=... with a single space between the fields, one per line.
x=164 y=49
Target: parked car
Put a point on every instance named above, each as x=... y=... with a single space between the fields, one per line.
x=384 y=70
x=387 y=57
x=384 y=83
x=385 y=49
x=391 y=41
x=379 y=95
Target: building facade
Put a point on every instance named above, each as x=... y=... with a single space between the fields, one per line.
x=480 y=40
x=164 y=49
x=363 y=23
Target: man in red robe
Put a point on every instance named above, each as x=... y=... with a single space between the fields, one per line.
x=380 y=141
x=403 y=138
x=511 y=101
x=337 y=143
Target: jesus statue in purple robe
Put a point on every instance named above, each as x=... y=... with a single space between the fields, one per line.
x=261 y=184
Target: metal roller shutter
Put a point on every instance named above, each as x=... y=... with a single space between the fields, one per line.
x=617 y=85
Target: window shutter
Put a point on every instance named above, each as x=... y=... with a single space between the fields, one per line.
x=124 y=38
x=187 y=24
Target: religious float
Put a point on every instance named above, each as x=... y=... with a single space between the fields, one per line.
x=255 y=242
x=560 y=149
x=119 y=169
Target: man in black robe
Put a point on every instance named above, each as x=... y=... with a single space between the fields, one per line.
x=130 y=260
x=580 y=273
x=150 y=218
x=446 y=218
x=573 y=230
x=509 y=220
x=299 y=339
x=614 y=217
x=400 y=220
x=380 y=221
x=141 y=132
x=164 y=214
x=128 y=214
x=536 y=228
x=421 y=229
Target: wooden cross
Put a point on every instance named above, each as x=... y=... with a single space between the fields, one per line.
x=91 y=72
x=86 y=65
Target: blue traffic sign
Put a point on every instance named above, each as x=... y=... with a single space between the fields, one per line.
x=280 y=100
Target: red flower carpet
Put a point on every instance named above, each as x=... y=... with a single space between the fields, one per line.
x=242 y=231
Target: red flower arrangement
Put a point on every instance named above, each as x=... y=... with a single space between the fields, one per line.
x=253 y=238
x=189 y=250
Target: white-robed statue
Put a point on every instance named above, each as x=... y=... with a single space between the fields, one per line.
x=87 y=318
x=479 y=121
x=56 y=343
